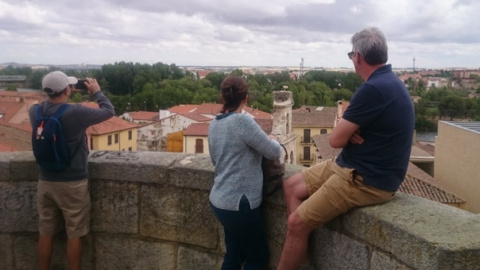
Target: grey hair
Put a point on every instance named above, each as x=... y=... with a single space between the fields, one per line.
x=372 y=45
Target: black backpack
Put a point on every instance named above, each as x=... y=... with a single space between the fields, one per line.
x=273 y=171
x=48 y=141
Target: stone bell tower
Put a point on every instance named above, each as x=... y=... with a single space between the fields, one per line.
x=282 y=122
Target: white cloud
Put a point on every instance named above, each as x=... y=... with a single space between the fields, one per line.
x=251 y=32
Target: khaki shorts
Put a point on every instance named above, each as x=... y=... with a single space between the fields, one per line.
x=333 y=191
x=70 y=199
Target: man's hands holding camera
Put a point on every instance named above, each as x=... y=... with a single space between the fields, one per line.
x=89 y=84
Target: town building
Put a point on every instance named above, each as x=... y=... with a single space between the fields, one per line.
x=457 y=148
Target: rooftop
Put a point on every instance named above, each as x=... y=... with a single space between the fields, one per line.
x=470 y=126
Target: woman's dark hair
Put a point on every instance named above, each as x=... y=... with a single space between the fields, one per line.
x=233 y=91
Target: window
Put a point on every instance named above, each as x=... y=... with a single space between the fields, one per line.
x=130 y=149
x=152 y=132
x=129 y=135
x=109 y=139
x=306 y=135
x=91 y=143
x=323 y=131
x=306 y=153
x=199 y=146
x=116 y=138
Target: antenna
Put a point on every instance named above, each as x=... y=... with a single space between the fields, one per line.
x=301 y=68
x=414 y=64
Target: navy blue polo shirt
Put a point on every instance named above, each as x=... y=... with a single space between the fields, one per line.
x=383 y=109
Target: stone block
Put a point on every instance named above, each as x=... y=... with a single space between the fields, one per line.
x=167 y=214
x=141 y=167
x=116 y=252
x=194 y=259
x=6 y=252
x=115 y=207
x=23 y=167
x=18 y=207
x=5 y=158
x=420 y=232
x=26 y=254
x=192 y=171
x=381 y=260
x=331 y=250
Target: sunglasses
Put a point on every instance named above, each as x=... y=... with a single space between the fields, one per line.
x=351 y=54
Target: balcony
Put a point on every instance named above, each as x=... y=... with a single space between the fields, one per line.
x=306 y=140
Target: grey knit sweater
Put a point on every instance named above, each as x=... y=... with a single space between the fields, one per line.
x=237 y=144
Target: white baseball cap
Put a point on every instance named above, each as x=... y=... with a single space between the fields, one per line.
x=56 y=82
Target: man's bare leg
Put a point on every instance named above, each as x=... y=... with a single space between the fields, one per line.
x=74 y=253
x=45 y=243
x=295 y=192
x=294 y=252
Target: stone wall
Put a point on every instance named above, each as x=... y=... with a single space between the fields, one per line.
x=150 y=210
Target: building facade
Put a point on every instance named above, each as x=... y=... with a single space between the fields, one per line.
x=457 y=152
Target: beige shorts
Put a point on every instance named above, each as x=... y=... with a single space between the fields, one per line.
x=70 y=199
x=333 y=191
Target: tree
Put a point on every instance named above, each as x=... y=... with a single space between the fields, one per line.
x=342 y=94
x=452 y=106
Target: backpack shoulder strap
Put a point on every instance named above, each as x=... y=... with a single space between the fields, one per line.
x=60 y=111
x=39 y=112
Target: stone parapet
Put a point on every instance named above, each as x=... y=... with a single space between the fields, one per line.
x=150 y=210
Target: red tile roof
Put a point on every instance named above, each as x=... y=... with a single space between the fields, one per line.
x=143 y=115
x=183 y=108
x=12 y=137
x=197 y=129
x=113 y=124
x=214 y=109
x=196 y=117
x=314 y=116
x=10 y=109
x=265 y=124
x=208 y=108
x=257 y=114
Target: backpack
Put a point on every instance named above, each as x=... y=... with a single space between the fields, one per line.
x=48 y=141
x=273 y=171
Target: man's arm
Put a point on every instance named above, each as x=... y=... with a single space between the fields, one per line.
x=344 y=132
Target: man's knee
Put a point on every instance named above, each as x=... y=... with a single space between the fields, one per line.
x=296 y=225
x=294 y=184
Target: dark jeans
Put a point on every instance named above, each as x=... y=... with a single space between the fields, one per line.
x=244 y=237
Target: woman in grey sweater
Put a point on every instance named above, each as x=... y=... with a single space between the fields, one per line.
x=237 y=144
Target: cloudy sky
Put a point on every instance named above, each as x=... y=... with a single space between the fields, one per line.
x=439 y=34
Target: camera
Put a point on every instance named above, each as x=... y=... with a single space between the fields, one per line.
x=81 y=85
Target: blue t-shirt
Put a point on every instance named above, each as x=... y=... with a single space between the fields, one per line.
x=383 y=109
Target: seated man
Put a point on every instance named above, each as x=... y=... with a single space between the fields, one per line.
x=375 y=132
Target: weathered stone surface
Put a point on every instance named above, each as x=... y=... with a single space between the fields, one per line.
x=333 y=250
x=26 y=254
x=189 y=259
x=192 y=171
x=5 y=167
x=143 y=167
x=23 y=167
x=383 y=261
x=420 y=232
x=18 y=207
x=6 y=252
x=176 y=227
x=115 y=207
x=166 y=214
x=116 y=252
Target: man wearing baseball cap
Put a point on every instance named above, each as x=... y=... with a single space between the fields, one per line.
x=65 y=193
